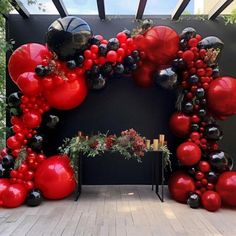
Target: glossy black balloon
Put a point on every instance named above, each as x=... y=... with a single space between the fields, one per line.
x=13 y=99
x=194 y=200
x=102 y=49
x=193 y=79
x=68 y=36
x=213 y=132
x=211 y=177
x=41 y=70
x=200 y=93
x=166 y=78
x=119 y=68
x=221 y=161
x=127 y=32
x=106 y=69
x=8 y=162
x=36 y=143
x=187 y=107
x=113 y=44
x=194 y=127
x=96 y=83
x=71 y=64
x=34 y=198
x=188 y=33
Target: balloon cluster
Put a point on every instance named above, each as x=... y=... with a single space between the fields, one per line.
x=59 y=75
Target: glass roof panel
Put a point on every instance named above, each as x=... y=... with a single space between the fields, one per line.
x=121 y=7
x=81 y=7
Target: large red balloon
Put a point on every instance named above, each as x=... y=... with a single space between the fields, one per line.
x=55 y=177
x=180 y=185
x=26 y=58
x=29 y=84
x=211 y=200
x=226 y=187
x=143 y=75
x=160 y=43
x=222 y=97
x=4 y=184
x=67 y=95
x=31 y=119
x=14 y=195
x=188 y=153
x=180 y=124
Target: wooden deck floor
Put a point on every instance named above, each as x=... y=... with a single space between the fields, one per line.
x=116 y=210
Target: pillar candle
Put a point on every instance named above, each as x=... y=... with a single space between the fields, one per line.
x=148 y=144
x=162 y=139
x=155 y=144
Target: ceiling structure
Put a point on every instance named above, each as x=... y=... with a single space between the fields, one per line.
x=99 y=7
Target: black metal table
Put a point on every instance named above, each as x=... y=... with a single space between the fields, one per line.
x=157 y=174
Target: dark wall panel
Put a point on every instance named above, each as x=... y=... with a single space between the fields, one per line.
x=123 y=105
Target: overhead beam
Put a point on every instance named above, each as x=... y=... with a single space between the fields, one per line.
x=18 y=5
x=141 y=8
x=101 y=9
x=181 y=5
x=60 y=7
x=218 y=8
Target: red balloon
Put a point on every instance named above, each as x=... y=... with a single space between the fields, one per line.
x=143 y=75
x=67 y=95
x=29 y=84
x=226 y=187
x=211 y=200
x=180 y=185
x=32 y=119
x=14 y=196
x=4 y=184
x=204 y=166
x=180 y=124
x=55 y=177
x=13 y=143
x=222 y=97
x=160 y=43
x=26 y=58
x=189 y=153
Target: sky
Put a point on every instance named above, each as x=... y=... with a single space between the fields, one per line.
x=116 y=7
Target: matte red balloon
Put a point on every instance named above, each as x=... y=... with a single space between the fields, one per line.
x=161 y=44
x=14 y=196
x=180 y=124
x=222 y=97
x=4 y=184
x=67 y=95
x=188 y=153
x=180 y=185
x=26 y=58
x=32 y=119
x=226 y=187
x=55 y=177
x=211 y=200
x=29 y=84
x=143 y=75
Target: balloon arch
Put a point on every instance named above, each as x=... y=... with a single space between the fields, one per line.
x=59 y=75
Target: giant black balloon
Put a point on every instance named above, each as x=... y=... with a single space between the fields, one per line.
x=36 y=143
x=68 y=36
x=213 y=132
x=194 y=200
x=166 y=78
x=214 y=46
x=34 y=198
x=221 y=161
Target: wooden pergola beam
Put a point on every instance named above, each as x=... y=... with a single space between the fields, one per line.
x=141 y=8
x=218 y=8
x=20 y=8
x=181 y=5
x=101 y=9
x=60 y=7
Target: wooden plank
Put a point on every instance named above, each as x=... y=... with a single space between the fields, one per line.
x=60 y=7
x=141 y=8
x=181 y=5
x=101 y=9
x=18 y=5
x=218 y=8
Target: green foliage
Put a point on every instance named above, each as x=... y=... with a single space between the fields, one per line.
x=230 y=19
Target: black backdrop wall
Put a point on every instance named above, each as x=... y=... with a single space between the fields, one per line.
x=123 y=105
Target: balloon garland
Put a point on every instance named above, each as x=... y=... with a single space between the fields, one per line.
x=59 y=75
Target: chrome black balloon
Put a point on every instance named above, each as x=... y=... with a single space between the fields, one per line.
x=194 y=200
x=34 y=198
x=213 y=132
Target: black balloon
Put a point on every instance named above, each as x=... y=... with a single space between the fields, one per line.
x=34 y=198
x=194 y=200
x=102 y=49
x=200 y=92
x=166 y=78
x=14 y=99
x=36 y=143
x=211 y=177
x=213 y=132
x=68 y=36
x=221 y=161
x=8 y=162
x=113 y=44
x=213 y=45
x=188 y=33
x=96 y=83
x=106 y=69
x=191 y=171
x=187 y=107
